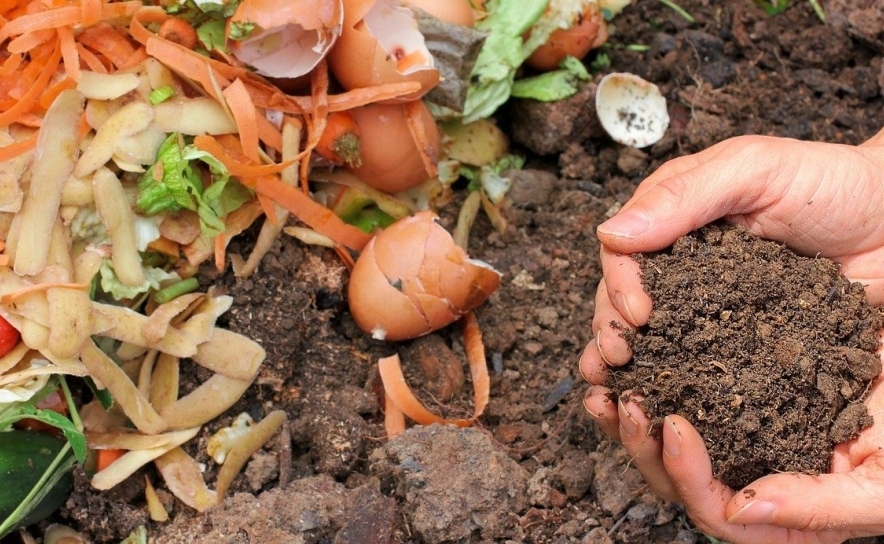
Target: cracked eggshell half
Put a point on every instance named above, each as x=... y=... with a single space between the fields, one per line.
x=411 y=279
x=289 y=37
x=631 y=110
x=380 y=43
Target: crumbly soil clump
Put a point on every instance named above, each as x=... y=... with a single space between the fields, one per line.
x=767 y=353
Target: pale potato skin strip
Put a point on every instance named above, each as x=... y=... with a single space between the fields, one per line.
x=54 y=160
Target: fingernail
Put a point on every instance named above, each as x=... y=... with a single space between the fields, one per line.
x=754 y=513
x=589 y=393
x=628 y=425
x=580 y=367
x=598 y=345
x=672 y=448
x=620 y=304
x=628 y=224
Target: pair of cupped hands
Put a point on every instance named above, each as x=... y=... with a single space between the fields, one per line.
x=819 y=199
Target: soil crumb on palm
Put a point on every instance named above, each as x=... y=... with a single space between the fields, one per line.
x=767 y=353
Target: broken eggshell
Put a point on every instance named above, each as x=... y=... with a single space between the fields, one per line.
x=412 y=279
x=380 y=43
x=284 y=38
x=631 y=110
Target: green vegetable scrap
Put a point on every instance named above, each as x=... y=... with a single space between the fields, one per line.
x=556 y=85
x=175 y=183
x=208 y=18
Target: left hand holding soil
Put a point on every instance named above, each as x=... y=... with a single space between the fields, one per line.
x=819 y=199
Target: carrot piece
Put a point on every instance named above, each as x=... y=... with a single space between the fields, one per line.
x=187 y=63
x=149 y=15
x=395 y=388
x=346 y=258
x=26 y=42
x=104 y=39
x=91 y=60
x=52 y=93
x=18 y=148
x=134 y=59
x=43 y=20
x=30 y=97
x=92 y=12
x=269 y=134
x=37 y=287
x=178 y=31
x=394 y=419
x=339 y=142
x=240 y=104
x=239 y=166
x=104 y=458
x=10 y=65
x=69 y=54
x=472 y=339
x=313 y=214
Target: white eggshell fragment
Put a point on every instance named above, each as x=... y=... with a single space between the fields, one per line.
x=632 y=110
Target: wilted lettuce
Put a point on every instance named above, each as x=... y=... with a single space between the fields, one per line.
x=175 y=183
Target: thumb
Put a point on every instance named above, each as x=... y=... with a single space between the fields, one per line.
x=845 y=501
x=674 y=202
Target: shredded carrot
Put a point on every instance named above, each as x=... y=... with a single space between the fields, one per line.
x=27 y=42
x=472 y=339
x=38 y=287
x=10 y=65
x=44 y=20
x=187 y=63
x=390 y=370
x=18 y=148
x=52 y=93
x=104 y=39
x=394 y=419
x=104 y=458
x=33 y=94
x=240 y=104
x=91 y=60
x=313 y=214
x=236 y=163
x=68 y=54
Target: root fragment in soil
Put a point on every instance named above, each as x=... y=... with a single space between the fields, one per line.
x=769 y=354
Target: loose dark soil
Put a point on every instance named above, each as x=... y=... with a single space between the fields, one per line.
x=536 y=469
x=769 y=354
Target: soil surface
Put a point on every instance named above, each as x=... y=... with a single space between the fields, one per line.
x=536 y=469
x=767 y=353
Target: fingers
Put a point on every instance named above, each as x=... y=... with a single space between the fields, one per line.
x=624 y=285
x=812 y=503
x=705 y=498
x=693 y=193
x=644 y=450
x=602 y=409
x=608 y=347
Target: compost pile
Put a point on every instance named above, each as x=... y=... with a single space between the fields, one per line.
x=768 y=353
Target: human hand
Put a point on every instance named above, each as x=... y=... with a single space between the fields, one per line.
x=817 y=198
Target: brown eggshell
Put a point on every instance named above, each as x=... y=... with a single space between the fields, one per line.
x=377 y=306
x=577 y=41
x=447 y=284
x=459 y=12
x=291 y=36
x=391 y=161
x=359 y=60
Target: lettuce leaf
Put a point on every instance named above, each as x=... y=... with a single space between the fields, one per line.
x=554 y=85
x=175 y=182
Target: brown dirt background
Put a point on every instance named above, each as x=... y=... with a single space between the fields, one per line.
x=536 y=469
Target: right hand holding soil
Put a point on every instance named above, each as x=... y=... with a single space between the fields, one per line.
x=817 y=198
